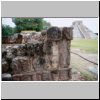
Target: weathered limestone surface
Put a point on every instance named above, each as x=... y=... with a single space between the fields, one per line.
x=16 y=38
x=20 y=64
x=54 y=34
x=46 y=60
x=5 y=66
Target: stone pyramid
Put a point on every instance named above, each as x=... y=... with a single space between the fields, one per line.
x=81 y=31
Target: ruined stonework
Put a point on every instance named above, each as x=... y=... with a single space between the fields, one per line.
x=45 y=60
x=16 y=39
x=60 y=40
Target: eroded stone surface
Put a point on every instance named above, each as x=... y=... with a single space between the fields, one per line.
x=45 y=60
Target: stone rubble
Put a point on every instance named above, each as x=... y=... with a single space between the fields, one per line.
x=45 y=60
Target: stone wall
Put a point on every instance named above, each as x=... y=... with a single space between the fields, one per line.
x=48 y=60
x=13 y=39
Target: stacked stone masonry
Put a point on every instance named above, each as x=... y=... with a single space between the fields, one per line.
x=47 y=60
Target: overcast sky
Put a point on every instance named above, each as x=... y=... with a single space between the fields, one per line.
x=91 y=23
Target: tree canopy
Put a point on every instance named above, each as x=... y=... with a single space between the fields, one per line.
x=46 y=25
x=23 y=24
x=36 y=24
x=7 y=30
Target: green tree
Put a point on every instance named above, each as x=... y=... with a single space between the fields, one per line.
x=46 y=25
x=7 y=30
x=28 y=24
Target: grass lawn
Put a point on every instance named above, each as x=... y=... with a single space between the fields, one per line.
x=87 y=45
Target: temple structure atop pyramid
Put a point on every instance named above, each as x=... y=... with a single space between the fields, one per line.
x=81 y=31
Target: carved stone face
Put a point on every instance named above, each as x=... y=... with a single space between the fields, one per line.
x=67 y=32
x=54 y=33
